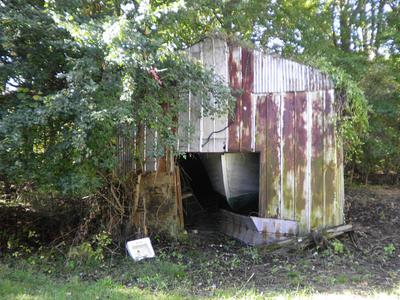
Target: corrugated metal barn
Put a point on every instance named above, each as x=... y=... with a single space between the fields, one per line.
x=285 y=115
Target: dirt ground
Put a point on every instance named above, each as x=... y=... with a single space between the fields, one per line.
x=364 y=261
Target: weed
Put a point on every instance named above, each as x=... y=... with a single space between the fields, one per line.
x=89 y=253
x=234 y=263
x=337 y=246
x=357 y=278
x=254 y=255
x=382 y=216
x=389 y=249
x=342 y=279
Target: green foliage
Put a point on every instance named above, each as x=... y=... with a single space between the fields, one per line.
x=76 y=74
x=101 y=75
x=89 y=253
x=380 y=152
x=389 y=249
x=352 y=108
x=337 y=246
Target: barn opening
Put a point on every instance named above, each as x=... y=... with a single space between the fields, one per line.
x=214 y=181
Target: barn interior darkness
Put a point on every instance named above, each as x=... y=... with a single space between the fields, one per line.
x=200 y=198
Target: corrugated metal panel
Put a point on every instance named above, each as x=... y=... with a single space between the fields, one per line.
x=274 y=74
x=317 y=161
x=286 y=113
x=301 y=191
x=150 y=150
x=213 y=136
x=125 y=150
x=287 y=146
x=272 y=177
x=252 y=72
x=235 y=81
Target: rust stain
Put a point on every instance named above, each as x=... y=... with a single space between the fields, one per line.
x=261 y=122
x=300 y=143
x=261 y=125
x=236 y=85
x=288 y=156
x=263 y=197
x=246 y=105
x=317 y=163
x=330 y=164
x=273 y=156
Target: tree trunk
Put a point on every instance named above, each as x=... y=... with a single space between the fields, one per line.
x=345 y=30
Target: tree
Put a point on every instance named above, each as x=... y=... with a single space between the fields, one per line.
x=76 y=79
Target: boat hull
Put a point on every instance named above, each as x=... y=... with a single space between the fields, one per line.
x=236 y=177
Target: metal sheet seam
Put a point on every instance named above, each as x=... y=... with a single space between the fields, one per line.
x=253 y=120
x=253 y=112
x=156 y=145
x=281 y=97
x=134 y=145
x=309 y=155
x=227 y=81
x=145 y=148
x=213 y=56
x=189 y=112
x=201 y=108
x=323 y=158
x=240 y=108
x=294 y=136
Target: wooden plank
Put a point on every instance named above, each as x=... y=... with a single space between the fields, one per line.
x=311 y=238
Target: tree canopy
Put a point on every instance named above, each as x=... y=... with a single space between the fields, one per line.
x=73 y=73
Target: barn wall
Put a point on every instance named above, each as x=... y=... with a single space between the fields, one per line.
x=286 y=113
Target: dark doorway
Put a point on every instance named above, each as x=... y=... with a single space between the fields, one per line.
x=211 y=181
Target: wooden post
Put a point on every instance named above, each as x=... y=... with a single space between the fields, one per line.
x=178 y=191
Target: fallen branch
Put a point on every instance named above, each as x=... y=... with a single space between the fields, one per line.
x=315 y=237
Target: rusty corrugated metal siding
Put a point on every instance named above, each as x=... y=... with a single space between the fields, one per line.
x=275 y=74
x=286 y=113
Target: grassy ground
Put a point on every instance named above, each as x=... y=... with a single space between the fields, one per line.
x=24 y=284
x=210 y=266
